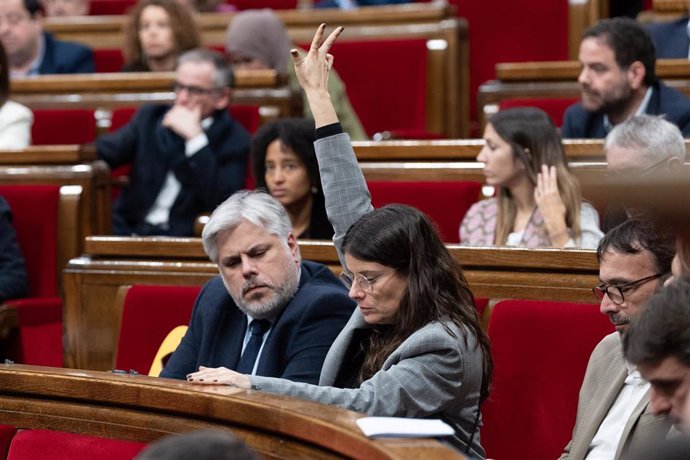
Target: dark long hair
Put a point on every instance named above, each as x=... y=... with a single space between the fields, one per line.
x=297 y=134
x=403 y=238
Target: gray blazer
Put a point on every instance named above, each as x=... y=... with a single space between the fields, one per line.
x=433 y=373
x=604 y=379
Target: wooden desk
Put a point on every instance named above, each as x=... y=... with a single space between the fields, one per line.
x=91 y=282
x=143 y=409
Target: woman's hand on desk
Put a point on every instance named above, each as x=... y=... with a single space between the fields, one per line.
x=219 y=376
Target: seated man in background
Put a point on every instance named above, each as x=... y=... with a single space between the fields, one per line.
x=613 y=413
x=268 y=313
x=642 y=146
x=67 y=8
x=618 y=80
x=671 y=39
x=658 y=343
x=186 y=158
x=30 y=50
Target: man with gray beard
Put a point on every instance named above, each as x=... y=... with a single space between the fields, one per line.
x=268 y=313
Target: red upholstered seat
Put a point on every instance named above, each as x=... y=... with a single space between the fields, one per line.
x=148 y=314
x=444 y=202
x=386 y=83
x=110 y=7
x=501 y=31
x=540 y=351
x=6 y=435
x=58 y=445
x=70 y=126
x=258 y=4
x=35 y=219
x=554 y=107
x=108 y=60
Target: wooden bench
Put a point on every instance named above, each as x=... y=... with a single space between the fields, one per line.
x=447 y=95
x=557 y=80
x=143 y=409
x=92 y=281
x=102 y=93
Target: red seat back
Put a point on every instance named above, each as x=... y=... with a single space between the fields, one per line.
x=445 y=202
x=110 y=7
x=540 y=351
x=35 y=219
x=70 y=126
x=58 y=445
x=108 y=60
x=149 y=313
x=554 y=107
x=6 y=434
x=386 y=83
x=497 y=34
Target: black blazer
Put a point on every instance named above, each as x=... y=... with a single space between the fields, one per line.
x=207 y=177
x=65 y=57
x=578 y=123
x=670 y=39
x=297 y=343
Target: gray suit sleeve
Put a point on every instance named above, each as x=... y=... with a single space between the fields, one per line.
x=421 y=378
x=344 y=187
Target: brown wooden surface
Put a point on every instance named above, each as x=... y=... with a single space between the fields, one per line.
x=675 y=6
x=92 y=177
x=48 y=155
x=92 y=281
x=107 y=31
x=569 y=70
x=143 y=409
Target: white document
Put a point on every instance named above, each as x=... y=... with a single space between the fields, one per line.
x=397 y=427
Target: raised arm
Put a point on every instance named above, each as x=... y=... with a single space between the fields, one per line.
x=345 y=190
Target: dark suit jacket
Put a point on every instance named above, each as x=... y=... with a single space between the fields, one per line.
x=13 y=282
x=65 y=57
x=578 y=123
x=670 y=39
x=207 y=177
x=297 y=343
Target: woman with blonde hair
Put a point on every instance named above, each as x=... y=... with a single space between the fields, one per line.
x=538 y=202
x=157 y=32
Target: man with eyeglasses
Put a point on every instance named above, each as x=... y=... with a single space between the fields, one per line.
x=644 y=146
x=613 y=414
x=186 y=159
x=30 y=50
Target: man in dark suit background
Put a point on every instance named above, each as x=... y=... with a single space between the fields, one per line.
x=618 y=80
x=187 y=158
x=671 y=39
x=268 y=313
x=30 y=50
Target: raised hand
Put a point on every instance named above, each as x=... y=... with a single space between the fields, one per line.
x=551 y=205
x=312 y=73
x=186 y=122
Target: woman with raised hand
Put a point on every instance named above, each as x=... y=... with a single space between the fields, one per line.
x=538 y=202
x=414 y=346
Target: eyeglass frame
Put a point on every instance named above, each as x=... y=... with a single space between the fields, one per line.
x=603 y=288
x=194 y=91
x=364 y=283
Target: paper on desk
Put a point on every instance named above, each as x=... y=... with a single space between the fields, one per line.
x=396 y=427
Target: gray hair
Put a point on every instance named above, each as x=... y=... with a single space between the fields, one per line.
x=223 y=77
x=257 y=207
x=655 y=138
